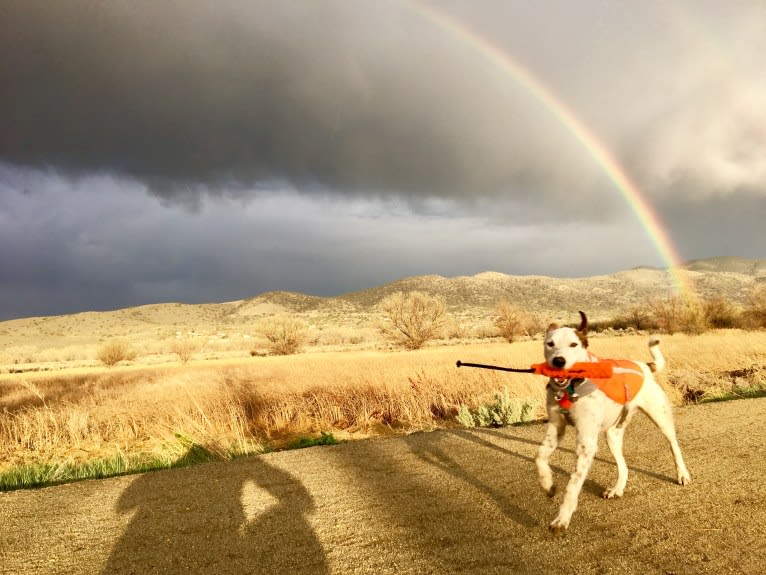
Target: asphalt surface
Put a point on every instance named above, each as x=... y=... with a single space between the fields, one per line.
x=440 y=502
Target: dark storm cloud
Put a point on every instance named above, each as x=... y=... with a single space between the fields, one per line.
x=191 y=96
x=345 y=96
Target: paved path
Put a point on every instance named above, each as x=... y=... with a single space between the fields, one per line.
x=441 y=502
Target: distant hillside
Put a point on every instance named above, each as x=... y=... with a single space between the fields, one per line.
x=730 y=278
x=729 y=264
x=602 y=297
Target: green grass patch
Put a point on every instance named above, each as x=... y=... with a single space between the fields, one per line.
x=182 y=453
x=303 y=442
x=45 y=474
x=735 y=393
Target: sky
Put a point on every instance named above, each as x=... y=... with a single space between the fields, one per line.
x=194 y=151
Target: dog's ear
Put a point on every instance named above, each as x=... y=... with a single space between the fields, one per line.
x=582 y=331
x=553 y=326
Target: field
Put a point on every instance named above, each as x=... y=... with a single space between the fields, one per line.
x=196 y=384
x=75 y=417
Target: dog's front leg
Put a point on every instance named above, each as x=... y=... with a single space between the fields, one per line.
x=553 y=435
x=587 y=445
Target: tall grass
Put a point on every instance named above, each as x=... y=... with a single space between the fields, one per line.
x=69 y=421
x=107 y=421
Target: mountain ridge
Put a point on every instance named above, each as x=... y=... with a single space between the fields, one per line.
x=602 y=296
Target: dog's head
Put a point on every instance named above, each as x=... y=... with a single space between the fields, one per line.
x=565 y=346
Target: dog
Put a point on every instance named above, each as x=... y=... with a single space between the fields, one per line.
x=583 y=403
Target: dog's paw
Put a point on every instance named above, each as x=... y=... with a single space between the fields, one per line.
x=551 y=491
x=558 y=526
x=612 y=493
x=546 y=482
x=684 y=478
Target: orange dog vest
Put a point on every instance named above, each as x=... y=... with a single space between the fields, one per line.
x=624 y=384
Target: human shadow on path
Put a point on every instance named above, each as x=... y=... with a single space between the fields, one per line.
x=245 y=516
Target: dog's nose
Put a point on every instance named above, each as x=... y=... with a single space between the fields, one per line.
x=559 y=362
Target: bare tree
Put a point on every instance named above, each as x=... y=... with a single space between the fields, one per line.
x=285 y=334
x=510 y=321
x=413 y=318
x=676 y=314
x=667 y=314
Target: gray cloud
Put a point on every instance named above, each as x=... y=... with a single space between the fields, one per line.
x=361 y=97
x=346 y=96
x=370 y=97
x=99 y=243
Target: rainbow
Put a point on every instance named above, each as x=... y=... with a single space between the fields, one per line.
x=595 y=148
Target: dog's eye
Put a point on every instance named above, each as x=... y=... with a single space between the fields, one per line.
x=549 y=343
x=573 y=344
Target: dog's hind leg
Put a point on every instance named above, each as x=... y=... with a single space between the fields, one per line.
x=659 y=410
x=614 y=437
x=553 y=435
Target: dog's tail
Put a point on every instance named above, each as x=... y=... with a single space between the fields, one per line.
x=659 y=359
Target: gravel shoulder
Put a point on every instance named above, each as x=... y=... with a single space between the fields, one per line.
x=441 y=502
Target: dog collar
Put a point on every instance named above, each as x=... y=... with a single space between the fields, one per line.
x=567 y=392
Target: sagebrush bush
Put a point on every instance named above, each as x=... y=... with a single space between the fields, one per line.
x=286 y=334
x=184 y=349
x=505 y=410
x=115 y=351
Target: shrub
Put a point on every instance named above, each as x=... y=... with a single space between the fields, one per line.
x=505 y=410
x=721 y=314
x=113 y=352
x=414 y=318
x=675 y=314
x=511 y=321
x=754 y=315
x=693 y=319
x=184 y=349
x=286 y=334
x=637 y=317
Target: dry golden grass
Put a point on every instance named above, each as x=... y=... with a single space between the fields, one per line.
x=235 y=406
x=232 y=406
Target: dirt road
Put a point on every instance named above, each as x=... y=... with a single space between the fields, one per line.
x=441 y=502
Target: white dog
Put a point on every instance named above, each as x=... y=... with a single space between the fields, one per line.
x=591 y=407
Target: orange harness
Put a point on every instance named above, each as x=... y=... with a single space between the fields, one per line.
x=625 y=383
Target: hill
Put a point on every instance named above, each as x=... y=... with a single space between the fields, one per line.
x=756 y=268
x=603 y=296
x=470 y=298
